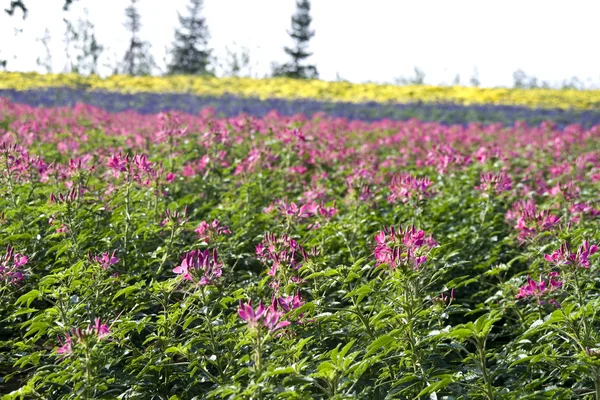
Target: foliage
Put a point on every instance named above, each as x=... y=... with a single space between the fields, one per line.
x=179 y=256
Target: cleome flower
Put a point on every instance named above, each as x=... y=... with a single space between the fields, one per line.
x=98 y=331
x=105 y=260
x=268 y=317
x=405 y=187
x=402 y=248
x=533 y=289
x=200 y=266
x=530 y=221
x=208 y=232
x=494 y=183
x=282 y=252
x=564 y=257
x=10 y=266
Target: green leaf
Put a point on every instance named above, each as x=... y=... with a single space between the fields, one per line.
x=459 y=333
x=125 y=291
x=29 y=297
x=24 y=311
x=382 y=341
x=436 y=386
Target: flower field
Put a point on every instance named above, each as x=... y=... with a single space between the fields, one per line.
x=233 y=106
x=284 y=88
x=199 y=255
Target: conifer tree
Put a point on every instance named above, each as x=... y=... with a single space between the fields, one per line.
x=137 y=60
x=301 y=34
x=190 y=52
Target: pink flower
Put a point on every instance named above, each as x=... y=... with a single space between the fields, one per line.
x=273 y=320
x=494 y=183
x=281 y=252
x=408 y=247
x=170 y=177
x=209 y=232
x=175 y=217
x=97 y=330
x=530 y=221
x=248 y=314
x=67 y=347
x=563 y=256
x=118 y=163
x=444 y=299
x=106 y=260
x=270 y=317
x=11 y=265
x=102 y=330
x=405 y=187
x=541 y=288
x=200 y=267
x=290 y=302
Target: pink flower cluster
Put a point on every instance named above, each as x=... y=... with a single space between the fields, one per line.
x=105 y=260
x=138 y=168
x=444 y=299
x=68 y=198
x=568 y=191
x=10 y=266
x=209 y=232
x=175 y=217
x=404 y=187
x=359 y=184
x=270 y=317
x=20 y=166
x=494 y=183
x=541 y=288
x=200 y=266
x=98 y=330
x=305 y=211
x=564 y=257
x=402 y=248
x=580 y=210
x=282 y=252
x=529 y=220
x=445 y=156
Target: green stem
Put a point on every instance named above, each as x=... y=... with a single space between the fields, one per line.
x=597 y=382
x=167 y=251
x=127 y=220
x=207 y=318
x=258 y=360
x=484 y=371
x=88 y=372
x=10 y=181
x=586 y=330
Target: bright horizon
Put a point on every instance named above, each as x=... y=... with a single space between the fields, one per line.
x=545 y=39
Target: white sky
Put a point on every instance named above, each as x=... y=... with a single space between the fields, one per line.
x=374 y=40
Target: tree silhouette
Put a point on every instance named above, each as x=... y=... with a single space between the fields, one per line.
x=190 y=53
x=138 y=59
x=301 y=34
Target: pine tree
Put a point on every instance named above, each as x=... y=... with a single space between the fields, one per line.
x=137 y=60
x=301 y=34
x=190 y=52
